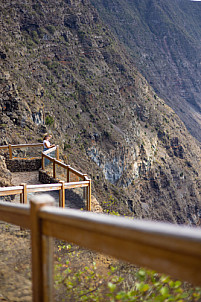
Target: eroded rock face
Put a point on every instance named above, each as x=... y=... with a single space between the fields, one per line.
x=162 y=49
x=122 y=165
x=113 y=164
x=38 y=117
x=5 y=174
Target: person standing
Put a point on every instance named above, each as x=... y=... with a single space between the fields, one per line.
x=46 y=142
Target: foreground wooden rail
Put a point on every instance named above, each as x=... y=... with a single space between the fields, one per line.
x=171 y=249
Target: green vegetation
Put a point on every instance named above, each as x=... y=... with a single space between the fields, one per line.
x=35 y=36
x=3 y=125
x=78 y=280
x=51 y=29
x=111 y=206
x=66 y=146
x=49 y=120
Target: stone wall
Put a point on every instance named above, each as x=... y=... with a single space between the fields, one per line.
x=21 y=165
x=45 y=178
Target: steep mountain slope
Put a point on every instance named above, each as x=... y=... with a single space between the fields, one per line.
x=63 y=71
x=164 y=39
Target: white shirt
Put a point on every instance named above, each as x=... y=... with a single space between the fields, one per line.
x=46 y=144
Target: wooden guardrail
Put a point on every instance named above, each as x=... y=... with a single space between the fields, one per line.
x=69 y=169
x=57 y=162
x=10 y=147
x=23 y=190
x=170 y=249
x=50 y=150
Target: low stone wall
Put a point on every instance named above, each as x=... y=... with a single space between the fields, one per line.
x=45 y=178
x=22 y=165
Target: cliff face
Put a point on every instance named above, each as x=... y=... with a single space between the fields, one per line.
x=163 y=38
x=63 y=71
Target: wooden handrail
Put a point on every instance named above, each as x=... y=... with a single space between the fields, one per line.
x=43 y=187
x=44 y=154
x=48 y=157
x=4 y=147
x=25 y=189
x=4 y=191
x=78 y=184
x=63 y=165
x=10 y=147
x=21 y=146
x=15 y=214
x=74 y=171
x=26 y=145
x=170 y=249
x=50 y=150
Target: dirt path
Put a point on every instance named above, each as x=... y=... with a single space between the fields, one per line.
x=31 y=178
x=15 y=266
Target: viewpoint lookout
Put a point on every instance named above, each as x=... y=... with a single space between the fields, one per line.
x=35 y=171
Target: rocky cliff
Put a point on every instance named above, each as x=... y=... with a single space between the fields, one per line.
x=163 y=38
x=63 y=71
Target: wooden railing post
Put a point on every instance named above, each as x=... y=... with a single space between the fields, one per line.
x=57 y=152
x=85 y=189
x=62 y=195
x=10 y=151
x=23 y=196
x=88 y=193
x=43 y=162
x=42 y=253
x=89 y=196
x=54 y=169
x=68 y=173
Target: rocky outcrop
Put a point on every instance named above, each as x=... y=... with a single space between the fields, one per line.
x=5 y=174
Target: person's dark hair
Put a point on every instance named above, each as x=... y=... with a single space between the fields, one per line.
x=46 y=135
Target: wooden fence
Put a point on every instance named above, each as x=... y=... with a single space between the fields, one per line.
x=85 y=183
x=68 y=168
x=10 y=147
x=171 y=249
x=24 y=189
x=55 y=161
